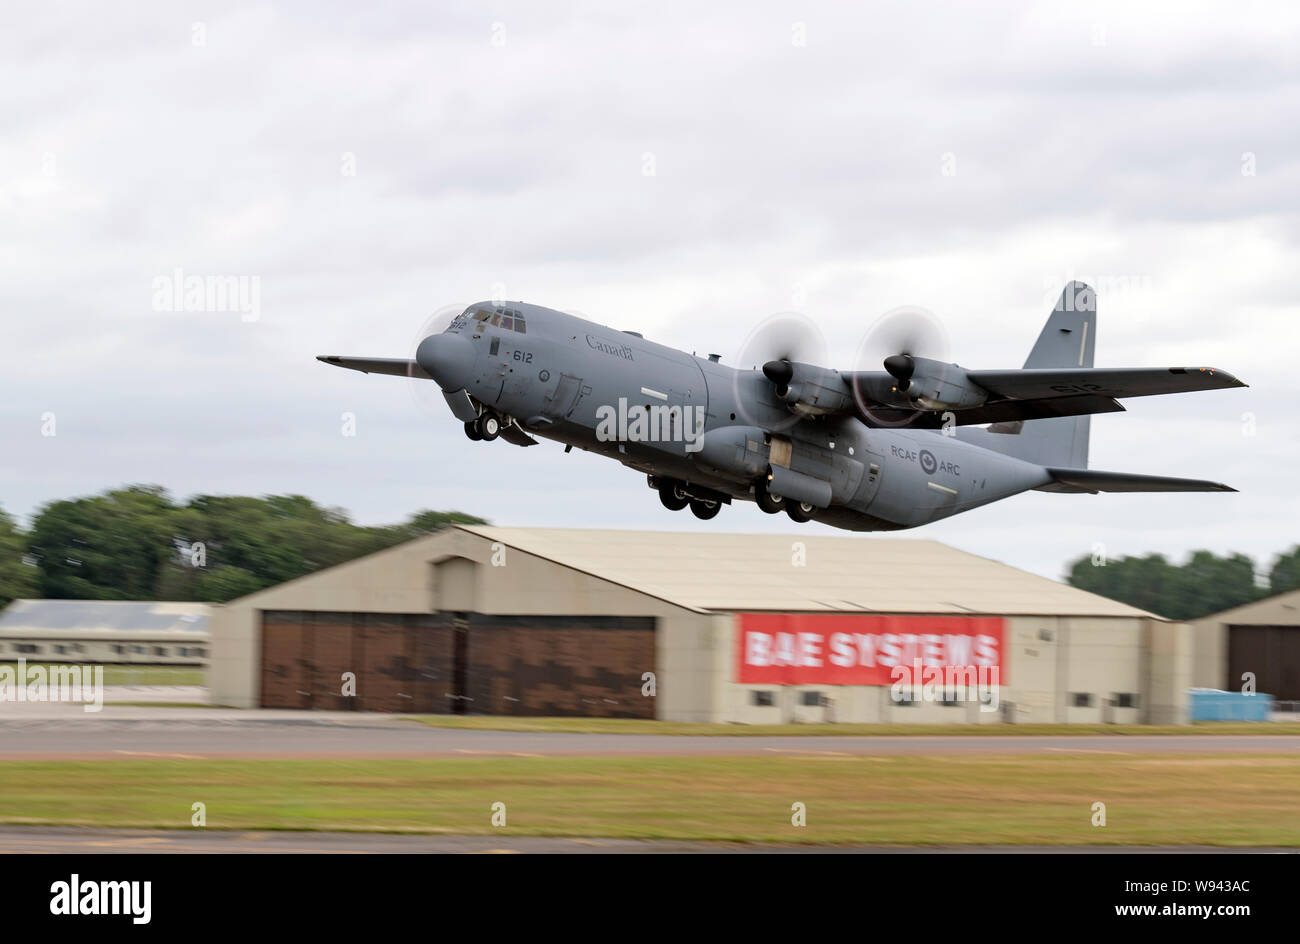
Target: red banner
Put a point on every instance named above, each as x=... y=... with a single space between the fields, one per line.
x=856 y=649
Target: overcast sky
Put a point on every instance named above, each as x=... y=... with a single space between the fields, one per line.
x=682 y=170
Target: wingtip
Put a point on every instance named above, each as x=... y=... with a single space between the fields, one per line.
x=1234 y=380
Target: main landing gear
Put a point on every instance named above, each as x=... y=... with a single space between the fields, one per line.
x=676 y=496
x=704 y=509
x=486 y=428
x=672 y=495
x=766 y=499
x=772 y=503
x=801 y=511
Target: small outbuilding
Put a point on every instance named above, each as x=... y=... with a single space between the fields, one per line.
x=105 y=632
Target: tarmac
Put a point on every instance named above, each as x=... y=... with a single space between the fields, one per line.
x=37 y=731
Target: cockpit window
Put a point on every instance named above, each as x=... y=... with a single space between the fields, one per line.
x=508 y=319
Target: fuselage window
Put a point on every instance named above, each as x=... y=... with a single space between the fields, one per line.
x=519 y=325
x=482 y=315
x=508 y=323
x=496 y=319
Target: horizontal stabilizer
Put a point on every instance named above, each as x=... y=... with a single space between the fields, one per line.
x=1094 y=480
x=397 y=366
x=1119 y=382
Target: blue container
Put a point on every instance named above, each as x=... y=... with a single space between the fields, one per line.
x=1208 y=704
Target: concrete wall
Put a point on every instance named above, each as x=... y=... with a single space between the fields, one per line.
x=1169 y=672
x=1210 y=654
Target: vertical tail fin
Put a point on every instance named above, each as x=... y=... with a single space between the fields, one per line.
x=1069 y=339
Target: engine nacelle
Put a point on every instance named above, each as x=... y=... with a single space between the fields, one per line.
x=934 y=385
x=808 y=389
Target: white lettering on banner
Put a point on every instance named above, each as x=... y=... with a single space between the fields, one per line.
x=852 y=649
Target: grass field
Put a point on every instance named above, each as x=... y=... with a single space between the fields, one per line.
x=634 y=726
x=1159 y=799
x=142 y=674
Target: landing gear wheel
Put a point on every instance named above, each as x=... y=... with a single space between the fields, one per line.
x=705 y=510
x=488 y=426
x=672 y=497
x=800 y=511
x=765 y=500
x=471 y=430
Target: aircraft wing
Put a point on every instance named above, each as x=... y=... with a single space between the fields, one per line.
x=397 y=366
x=1037 y=393
x=995 y=411
x=1116 y=382
x=1094 y=481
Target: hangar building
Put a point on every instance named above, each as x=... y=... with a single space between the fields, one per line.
x=1261 y=637
x=692 y=627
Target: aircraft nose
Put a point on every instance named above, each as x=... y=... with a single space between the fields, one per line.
x=448 y=358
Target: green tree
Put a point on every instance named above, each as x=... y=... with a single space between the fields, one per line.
x=1205 y=584
x=1285 y=574
x=18 y=579
x=108 y=547
x=136 y=544
x=427 y=522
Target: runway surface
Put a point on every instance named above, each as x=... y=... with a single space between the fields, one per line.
x=194 y=733
x=81 y=841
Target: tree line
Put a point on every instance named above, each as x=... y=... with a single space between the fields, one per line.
x=137 y=543
x=1206 y=583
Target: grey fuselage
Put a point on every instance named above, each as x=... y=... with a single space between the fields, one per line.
x=564 y=377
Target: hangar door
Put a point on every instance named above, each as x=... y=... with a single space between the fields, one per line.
x=455 y=663
x=1272 y=653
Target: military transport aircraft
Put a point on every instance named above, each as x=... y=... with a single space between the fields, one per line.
x=862 y=450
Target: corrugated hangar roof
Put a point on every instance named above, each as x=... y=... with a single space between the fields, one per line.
x=109 y=617
x=1280 y=609
x=707 y=571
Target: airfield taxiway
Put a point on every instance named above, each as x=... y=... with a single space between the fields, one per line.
x=37 y=732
